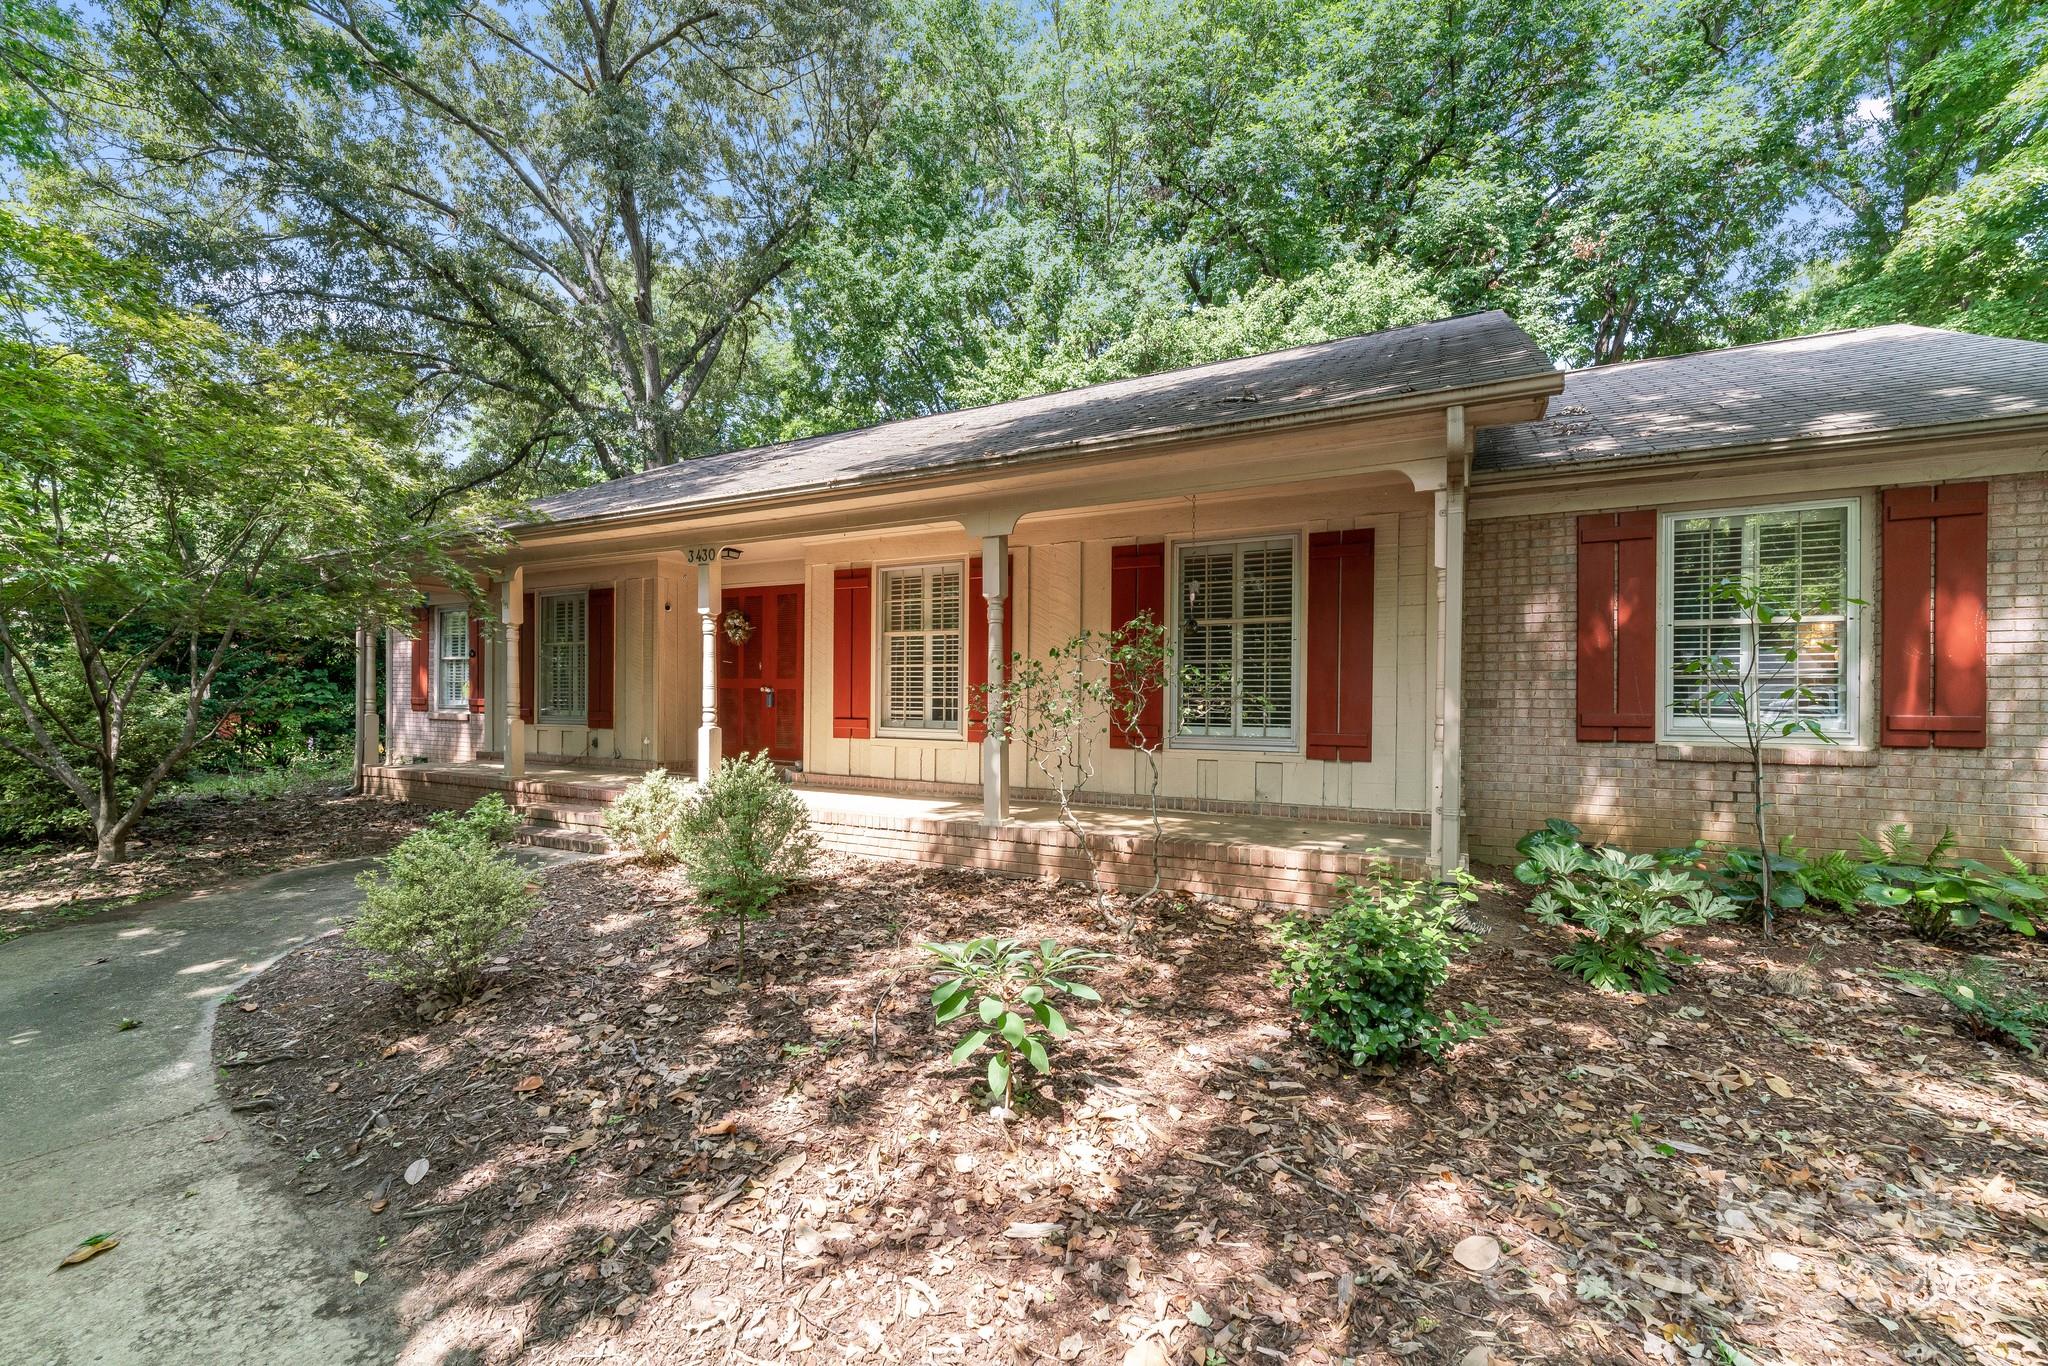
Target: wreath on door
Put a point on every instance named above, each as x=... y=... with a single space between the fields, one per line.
x=739 y=629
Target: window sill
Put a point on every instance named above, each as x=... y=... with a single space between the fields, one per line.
x=1281 y=749
x=459 y=714
x=1791 y=756
x=923 y=736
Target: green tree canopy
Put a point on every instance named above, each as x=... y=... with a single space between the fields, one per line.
x=170 y=492
x=560 y=217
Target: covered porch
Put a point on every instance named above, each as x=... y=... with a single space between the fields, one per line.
x=1288 y=860
x=851 y=605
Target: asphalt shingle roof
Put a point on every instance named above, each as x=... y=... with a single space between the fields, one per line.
x=1455 y=353
x=1869 y=381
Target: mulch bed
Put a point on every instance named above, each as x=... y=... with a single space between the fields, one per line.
x=190 y=841
x=628 y=1158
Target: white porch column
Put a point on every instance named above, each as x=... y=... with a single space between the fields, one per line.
x=1447 y=770
x=513 y=614
x=366 y=704
x=995 y=749
x=709 y=597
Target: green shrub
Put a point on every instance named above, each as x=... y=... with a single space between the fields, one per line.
x=1362 y=976
x=33 y=805
x=647 y=818
x=744 y=838
x=444 y=903
x=1008 y=984
x=1991 y=1007
x=1938 y=894
x=490 y=822
x=1618 y=902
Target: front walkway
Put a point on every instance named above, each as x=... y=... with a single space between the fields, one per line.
x=1241 y=857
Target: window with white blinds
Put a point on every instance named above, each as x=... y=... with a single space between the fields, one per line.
x=562 y=658
x=923 y=686
x=1235 y=646
x=452 y=631
x=1805 y=559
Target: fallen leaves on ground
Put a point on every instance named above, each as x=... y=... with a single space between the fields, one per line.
x=89 y=1249
x=791 y=1171
x=194 y=841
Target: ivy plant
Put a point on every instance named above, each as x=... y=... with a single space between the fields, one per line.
x=1009 y=986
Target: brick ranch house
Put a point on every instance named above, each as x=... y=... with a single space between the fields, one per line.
x=1464 y=584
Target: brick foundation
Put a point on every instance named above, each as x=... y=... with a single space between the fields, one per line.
x=1232 y=871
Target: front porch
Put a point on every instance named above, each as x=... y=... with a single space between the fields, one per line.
x=1238 y=856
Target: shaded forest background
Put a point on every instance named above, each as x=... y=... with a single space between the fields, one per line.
x=556 y=241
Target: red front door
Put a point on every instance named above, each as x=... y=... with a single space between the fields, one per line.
x=761 y=677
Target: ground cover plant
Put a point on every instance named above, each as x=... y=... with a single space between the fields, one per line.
x=628 y=1158
x=1364 y=975
x=1940 y=895
x=1832 y=884
x=1616 y=903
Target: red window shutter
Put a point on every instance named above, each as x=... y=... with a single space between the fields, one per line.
x=1340 y=645
x=1137 y=584
x=1617 y=664
x=977 y=645
x=527 y=652
x=852 y=653
x=476 y=661
x=422 y=657
x=1934 y=616
x=601 y=637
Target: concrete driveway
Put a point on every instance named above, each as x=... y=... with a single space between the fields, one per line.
x=110 y=1131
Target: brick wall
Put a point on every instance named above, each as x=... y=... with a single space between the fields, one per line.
x=439 y=737
x=1523 y=763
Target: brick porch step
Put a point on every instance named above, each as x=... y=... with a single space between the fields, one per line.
x=564 y=824
x=562 y=837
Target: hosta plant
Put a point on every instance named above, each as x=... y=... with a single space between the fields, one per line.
x=1008 y=986
x=1363 y=975
x=1833 y=882
x=1618 y=903
x=1939 y=894
x=1991 y=1007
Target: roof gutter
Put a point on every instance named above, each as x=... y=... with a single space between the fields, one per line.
x=1547 y=384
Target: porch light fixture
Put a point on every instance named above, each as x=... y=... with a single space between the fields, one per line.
x=729 y=552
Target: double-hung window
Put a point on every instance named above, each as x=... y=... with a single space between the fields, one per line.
x=1718 y=659
x=452 y=632
x=923 y=686
x=1235 y=671
x=562 y=658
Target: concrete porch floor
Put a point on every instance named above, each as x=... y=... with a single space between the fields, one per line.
x=1235 y=855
